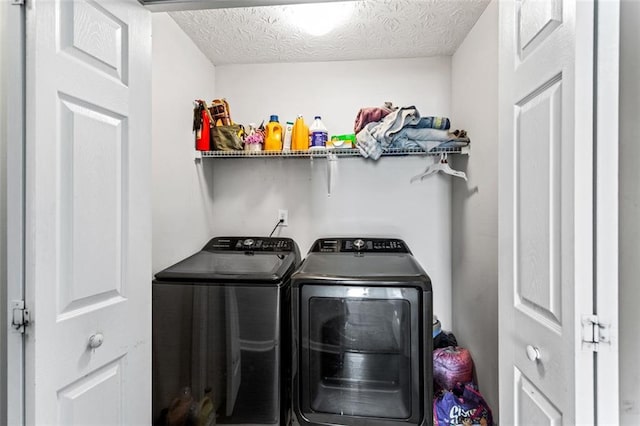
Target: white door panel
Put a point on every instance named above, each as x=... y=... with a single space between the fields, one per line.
x=93 y=399
x=531 y=407
x=546 y=219
x=537 y=20
x=88 y=213
x=537 y=167
x=92 y=192
x=96 y=37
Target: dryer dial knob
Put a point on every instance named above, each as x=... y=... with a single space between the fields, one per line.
x=358 y=244
x=248 y=242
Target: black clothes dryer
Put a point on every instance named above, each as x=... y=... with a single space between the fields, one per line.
x=362 y=335
x=221 y=328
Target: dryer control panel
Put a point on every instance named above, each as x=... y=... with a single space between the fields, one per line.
x=359 y=245
x=250 y=244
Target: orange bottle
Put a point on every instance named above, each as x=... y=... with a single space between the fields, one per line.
x=300 y=135
x=273 y=135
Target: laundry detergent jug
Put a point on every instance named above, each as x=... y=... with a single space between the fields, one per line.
x=273 y=135
x=300 y=135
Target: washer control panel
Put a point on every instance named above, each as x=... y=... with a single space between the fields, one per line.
x=250 y=244
x=359 y=245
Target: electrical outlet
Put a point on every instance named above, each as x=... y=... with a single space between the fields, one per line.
x=283 y=214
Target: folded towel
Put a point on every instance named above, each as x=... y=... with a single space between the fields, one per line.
x=441 y=123
x=370 y=115
x=376 y=136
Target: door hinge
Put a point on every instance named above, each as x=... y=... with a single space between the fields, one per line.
x=21 y=316
x=594 y=333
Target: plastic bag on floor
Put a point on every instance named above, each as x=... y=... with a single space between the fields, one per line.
x=463 y=406
x=452 y=365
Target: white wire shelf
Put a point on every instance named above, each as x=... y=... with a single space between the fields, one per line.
x=349 y=152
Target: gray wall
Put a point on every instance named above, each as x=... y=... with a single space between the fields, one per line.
x=475 y=203
x=629 y=212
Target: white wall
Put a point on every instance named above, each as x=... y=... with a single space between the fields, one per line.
x=475 y=203
x=370 y=198
x=629 y=213
x=333 y=90
x=373 y=199
x=182 y=222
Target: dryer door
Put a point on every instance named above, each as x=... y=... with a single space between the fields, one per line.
x=361 y=354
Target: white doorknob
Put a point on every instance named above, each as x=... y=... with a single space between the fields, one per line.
x=95 y=340
x=533 y=353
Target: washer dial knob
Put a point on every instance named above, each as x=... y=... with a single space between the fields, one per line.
x=358 y=244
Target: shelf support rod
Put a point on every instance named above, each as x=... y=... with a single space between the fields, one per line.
x=332 y=164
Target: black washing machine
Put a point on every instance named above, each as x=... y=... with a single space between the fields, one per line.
x=362 y=335
x=221 y=334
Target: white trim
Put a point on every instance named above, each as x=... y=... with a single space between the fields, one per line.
x=3 y=209
x=583 y=152
x=606 y=175
x=14 y=80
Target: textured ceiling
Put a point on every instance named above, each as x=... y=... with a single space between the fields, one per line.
x=376 y=29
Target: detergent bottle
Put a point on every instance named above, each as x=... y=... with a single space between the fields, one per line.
x=300 y=135
x=319 y=134
x=288 y=136
x=273 y=135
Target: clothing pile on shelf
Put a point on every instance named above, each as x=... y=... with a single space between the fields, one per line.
x=384 y=128
x=456 y=400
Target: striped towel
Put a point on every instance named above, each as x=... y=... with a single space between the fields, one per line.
x=441 y=123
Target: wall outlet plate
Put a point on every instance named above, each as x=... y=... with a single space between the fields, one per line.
x=283 y=214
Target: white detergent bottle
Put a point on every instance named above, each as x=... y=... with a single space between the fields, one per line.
x=288 y=133
x=318 y=134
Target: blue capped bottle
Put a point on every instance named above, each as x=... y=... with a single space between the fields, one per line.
x=318 y=134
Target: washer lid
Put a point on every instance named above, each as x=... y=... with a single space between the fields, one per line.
x=256 y=260
x=225 y=267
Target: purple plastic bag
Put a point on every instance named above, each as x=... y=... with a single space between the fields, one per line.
x=452 y=365
x=464 y=406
